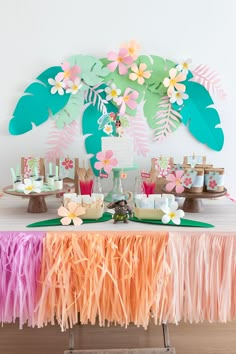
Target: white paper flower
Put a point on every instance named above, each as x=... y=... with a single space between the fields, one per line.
x=184 y=66
x=73 y=86
x=57 y=86
x=28 y=187
x=112 y=93
x=178 y=97
x=172 y=213
x=108 y=129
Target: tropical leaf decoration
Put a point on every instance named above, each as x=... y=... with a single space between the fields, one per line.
x=37 y=103
x=209 y=79
x=167 y=120
x=60 y=139
x=156 y=94
x=138 y=130
x=201 y=118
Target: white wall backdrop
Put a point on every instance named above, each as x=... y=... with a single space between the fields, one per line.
x=35 y=35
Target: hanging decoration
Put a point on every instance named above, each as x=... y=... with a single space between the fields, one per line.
x=168 y=93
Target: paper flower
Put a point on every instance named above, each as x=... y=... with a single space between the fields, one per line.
x=67 y=163
x=172 y=82
x=139 y=73
x=184 y=66
x=187 y=181
x=108 y=129
x=127 y=100
x=123 y=60
x=112 y=93
x=178 y=97
x=73 y=86
x=212 y=184
x=28 y=187
x=57 y=86
x=105 y=161
x=69 y=73
x=133 y=48
x=71 y=214
x=176 y=181
x=172 y=213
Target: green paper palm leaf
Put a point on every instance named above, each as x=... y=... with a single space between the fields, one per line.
x=35 y=107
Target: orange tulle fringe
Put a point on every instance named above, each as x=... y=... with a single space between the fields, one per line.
x=112 y=277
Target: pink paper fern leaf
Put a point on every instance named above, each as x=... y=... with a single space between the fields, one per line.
x=167 y=120
x=59 y=140
x=138 y=130
x=209 y=79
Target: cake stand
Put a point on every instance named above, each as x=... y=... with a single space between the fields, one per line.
x=193 y=201
x=37 y=203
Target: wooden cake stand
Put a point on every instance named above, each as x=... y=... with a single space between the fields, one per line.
x=37 y=203
x=193 y=201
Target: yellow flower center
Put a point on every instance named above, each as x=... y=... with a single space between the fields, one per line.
x=72 y=215
x=172 y=214
x=28 y=188
x=178 y=95
x=74 y=87
x=120 y=59
x=140 y=73
x=58 y=85
x=172 y=82
x=66 y=74
x=113 y=93
x=131 y=51
x=178 y=182
x=126 y=98
x=106 y=162
x=185 y=65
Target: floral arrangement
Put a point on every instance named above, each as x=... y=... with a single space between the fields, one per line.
x=138 y=90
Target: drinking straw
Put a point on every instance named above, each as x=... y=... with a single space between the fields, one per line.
x=13 y=174
x=50 y=169
x=57 y=173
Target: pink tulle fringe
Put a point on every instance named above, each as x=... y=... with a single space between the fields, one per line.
x=20 y=263
x=202 y=277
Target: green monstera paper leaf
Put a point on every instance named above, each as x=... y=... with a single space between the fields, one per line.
x=201 y=117
x=37 y=103
x=90 y=125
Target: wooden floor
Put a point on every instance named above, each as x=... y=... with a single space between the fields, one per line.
x=187 y=339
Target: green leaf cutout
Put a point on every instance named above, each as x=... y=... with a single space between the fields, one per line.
x=95 y=109
x=71 y=111
x=92 y=70
x=57 y=221
x=201 y=118
x=37 y=103
x=183 y=222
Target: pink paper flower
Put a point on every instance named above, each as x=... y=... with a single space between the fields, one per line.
x=68 y=73
x=71 y=214
x=139 y=73
x=105 y=161
x=127 y=100
x=172 y=82
x=67 y=163
x=123 y=60
x=176 y=181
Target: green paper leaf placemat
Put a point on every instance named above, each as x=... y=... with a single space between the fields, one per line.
x=57 y=221
x=183 y=222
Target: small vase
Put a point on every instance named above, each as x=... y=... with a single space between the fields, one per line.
x=97 y=185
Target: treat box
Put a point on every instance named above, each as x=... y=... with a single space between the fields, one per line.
x=148 y=214
x=93 y=213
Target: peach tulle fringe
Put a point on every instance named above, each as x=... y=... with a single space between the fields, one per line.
x=113 y=277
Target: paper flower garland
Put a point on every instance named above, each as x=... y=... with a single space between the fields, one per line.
x=168 y=92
